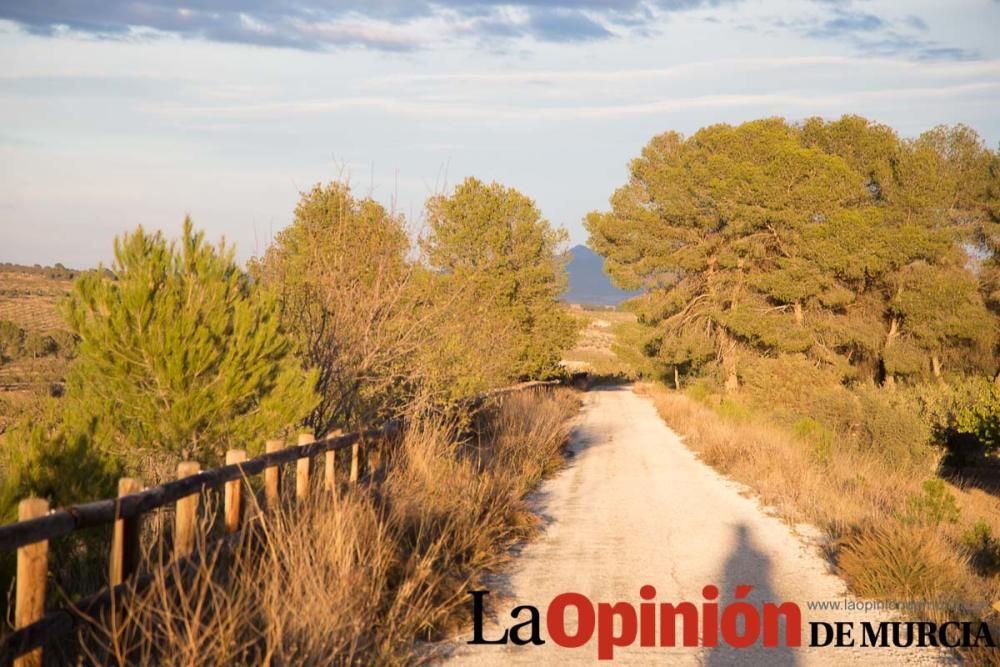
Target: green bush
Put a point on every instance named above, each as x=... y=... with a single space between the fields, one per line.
x=66 y=343
x=700 y=389
x=730 y=408
x=811 y=431
x=38 y=345
x=891 y=423
x=41 y=459
x=965 y=416
x=983 y=547
x=791 y=386
x=181 y=356
x=979 y=413
x=933 y=506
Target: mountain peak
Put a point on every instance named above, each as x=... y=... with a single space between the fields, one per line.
x=588 y=284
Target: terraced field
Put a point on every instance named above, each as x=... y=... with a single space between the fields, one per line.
x=31 y=301
x=29 y=298
x=593 y=351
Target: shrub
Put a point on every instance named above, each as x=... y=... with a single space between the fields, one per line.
x=38 y=345
x=180 y=354
x=978 y=413
x=730 y=408
x=983 y=548
x=66 y=343
x=891 y=423
x=810 y=430
x=792 y=386
x=934 y=505
x=60 y=465
x=39 y=458
x=901 y=563
x=700 y=390
x=964 y=416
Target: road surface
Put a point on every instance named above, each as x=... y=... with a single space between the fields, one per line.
x=634 y=506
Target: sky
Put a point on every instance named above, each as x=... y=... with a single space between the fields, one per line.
x=115 y=113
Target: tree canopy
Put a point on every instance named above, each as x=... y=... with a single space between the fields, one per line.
x=341 y=275
x=837 y=240
x=180 y=354
x=493 y=240
x=386 y=328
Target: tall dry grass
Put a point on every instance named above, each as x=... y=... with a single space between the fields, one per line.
x=357 y=577
x=894 y=531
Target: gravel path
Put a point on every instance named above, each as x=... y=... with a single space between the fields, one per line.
x=633 y=507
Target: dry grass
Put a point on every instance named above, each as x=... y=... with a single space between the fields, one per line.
x=593 y=351
x=892 y=533
x=31 y=301
x=357 y=578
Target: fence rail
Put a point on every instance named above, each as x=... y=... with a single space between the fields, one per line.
x=37 y=525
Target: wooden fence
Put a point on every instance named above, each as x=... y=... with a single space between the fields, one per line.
x=37 y=524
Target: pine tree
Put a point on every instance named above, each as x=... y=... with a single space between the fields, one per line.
x=493 y=240
x=180 y=355
x=833 y=240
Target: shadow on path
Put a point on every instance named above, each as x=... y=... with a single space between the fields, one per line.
x=748 y=565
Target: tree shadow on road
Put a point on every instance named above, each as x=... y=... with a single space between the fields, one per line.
x=747 y=565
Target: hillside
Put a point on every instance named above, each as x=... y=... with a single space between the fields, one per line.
x=588 y=284
x=34 y=344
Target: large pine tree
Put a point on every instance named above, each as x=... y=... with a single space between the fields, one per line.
x=837 y=240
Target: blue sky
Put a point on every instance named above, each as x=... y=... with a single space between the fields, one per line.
x=115 y=113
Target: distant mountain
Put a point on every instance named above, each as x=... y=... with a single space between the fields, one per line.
x=588 y=284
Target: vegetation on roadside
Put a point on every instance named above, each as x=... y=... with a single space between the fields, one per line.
x=894 y=529
x=354 y=579
x=180 y=354
x=385 y=327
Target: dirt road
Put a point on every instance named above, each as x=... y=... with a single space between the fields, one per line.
x=634 y=507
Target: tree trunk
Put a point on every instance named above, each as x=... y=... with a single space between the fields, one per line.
x=677 y=379
x=893 y=332
x=889 y=380
x=728 y=361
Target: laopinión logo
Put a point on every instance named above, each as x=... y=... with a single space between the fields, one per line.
x=739 y=624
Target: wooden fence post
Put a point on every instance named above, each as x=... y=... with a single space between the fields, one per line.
x=330 y=464
x=272 y=476
x=302 y=468
x=32 y=572
x=186 y=519
x=125 y=538
x=355 y=463
x=232 y=493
